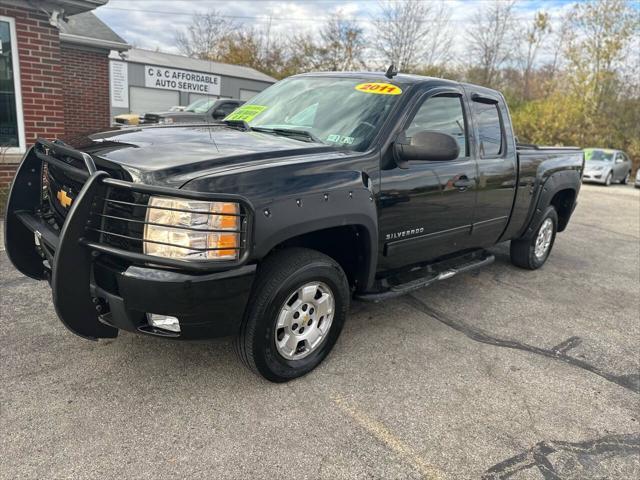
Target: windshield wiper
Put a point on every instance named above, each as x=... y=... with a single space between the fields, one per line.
x=239 y=124
x=286 y=132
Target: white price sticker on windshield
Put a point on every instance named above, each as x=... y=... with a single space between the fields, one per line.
x=341 y=139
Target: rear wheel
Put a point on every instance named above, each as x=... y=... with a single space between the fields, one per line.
x=298 y=307
x=531 y=253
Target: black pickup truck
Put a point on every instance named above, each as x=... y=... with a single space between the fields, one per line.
x=325 y=187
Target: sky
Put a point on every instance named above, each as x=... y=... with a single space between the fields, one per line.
x=152 y=24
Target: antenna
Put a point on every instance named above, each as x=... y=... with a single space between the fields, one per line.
x=392 y=71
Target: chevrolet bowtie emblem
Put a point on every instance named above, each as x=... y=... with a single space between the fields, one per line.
x=64 y=199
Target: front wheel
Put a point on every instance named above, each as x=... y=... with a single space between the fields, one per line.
x=625 y=180
x=607 y=181
x=299 y=304
x=531 y=253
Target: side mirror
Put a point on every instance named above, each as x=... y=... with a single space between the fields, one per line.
x=425 y=146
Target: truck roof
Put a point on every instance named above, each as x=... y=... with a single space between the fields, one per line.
x=401 y=79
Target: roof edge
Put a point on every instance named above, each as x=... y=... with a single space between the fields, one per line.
x=70 y=7
x=93 y=42
x=210 y=62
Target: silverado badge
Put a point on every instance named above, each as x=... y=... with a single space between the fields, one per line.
x=64 y=199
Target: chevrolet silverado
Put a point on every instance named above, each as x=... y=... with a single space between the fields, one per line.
x=324 y=188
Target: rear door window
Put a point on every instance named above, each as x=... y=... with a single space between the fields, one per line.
x=489 y=129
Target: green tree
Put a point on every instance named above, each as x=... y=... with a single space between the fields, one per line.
x=532 y=41
x=603 y=32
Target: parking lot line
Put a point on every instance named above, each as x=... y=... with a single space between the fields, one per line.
x=383 y=434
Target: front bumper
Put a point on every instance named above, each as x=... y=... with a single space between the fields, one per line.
x=207 y=305
x=594 y=177
x=98 y=289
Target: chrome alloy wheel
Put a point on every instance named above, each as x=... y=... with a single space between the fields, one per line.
x=544 y=238
x=304 y=320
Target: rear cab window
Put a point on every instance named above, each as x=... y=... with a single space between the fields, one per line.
x=490 y=128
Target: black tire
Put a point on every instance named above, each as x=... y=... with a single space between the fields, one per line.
x=607 y=180
x=280 y=275
x=625 y=180
x=523 y=250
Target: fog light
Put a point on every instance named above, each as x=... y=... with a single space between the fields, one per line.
x=164 y=322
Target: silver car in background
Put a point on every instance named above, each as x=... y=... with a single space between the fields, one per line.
x=606 y=166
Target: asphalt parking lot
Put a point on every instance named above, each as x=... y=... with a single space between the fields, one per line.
x=501 y=373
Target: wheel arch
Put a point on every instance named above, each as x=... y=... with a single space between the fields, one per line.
x=351 y=245
x=564 y=201
x=560 y=189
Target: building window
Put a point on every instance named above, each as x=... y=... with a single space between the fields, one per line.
x=11 y=127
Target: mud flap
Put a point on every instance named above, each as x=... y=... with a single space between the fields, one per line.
x=71 y=274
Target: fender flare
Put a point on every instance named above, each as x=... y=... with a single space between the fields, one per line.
x=552 y=184
x=288 y=218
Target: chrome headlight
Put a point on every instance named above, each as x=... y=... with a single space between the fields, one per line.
x=192 y=229
x=165 y=121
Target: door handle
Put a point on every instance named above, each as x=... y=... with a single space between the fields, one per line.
x=463 y=183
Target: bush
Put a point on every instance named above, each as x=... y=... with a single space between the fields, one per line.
x=4 y=195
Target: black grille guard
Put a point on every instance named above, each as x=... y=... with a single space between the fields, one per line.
x=68 y=253
x=95 y=194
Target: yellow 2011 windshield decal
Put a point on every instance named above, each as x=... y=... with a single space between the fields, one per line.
x=246 y=113
x=379 y=88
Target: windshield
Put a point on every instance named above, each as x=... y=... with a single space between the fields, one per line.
x=345 y=112
x=201 y=106
x=598 y=155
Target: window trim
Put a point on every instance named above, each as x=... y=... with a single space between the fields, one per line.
x=445 y=92
x=15 y=61
x=503 y=138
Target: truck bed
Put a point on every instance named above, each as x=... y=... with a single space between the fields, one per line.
x=536 y=164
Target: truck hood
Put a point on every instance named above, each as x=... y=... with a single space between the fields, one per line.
x=172 y=156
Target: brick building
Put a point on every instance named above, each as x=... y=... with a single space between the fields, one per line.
x=54 y=74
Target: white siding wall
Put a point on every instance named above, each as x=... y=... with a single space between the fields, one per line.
x=143 y=100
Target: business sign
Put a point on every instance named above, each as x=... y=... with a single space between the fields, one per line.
x=119 y=84
x=182 y=80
